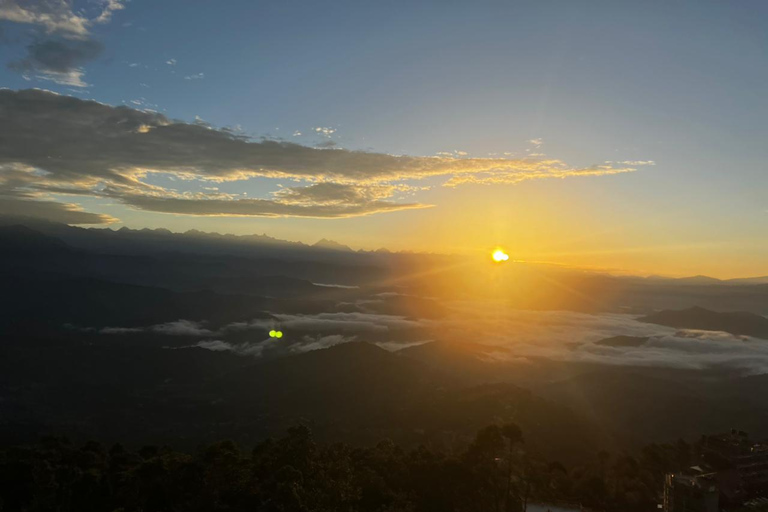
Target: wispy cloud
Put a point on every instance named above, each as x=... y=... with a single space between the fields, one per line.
x=334 y=322
x=571 y=336
x=54 y=16
x=635 y=163
x=325 y=130
x=513 y=335
x=259 y=348
x=176 y=328
x=182 y=328
x=535 y=170
x=62 y=43
x=109 y=8
x=59 y=60
x=243 y=349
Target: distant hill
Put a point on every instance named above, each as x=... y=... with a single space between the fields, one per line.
x=698 y=280
x=443 y=351
x=749 y=280
x=460 y=358
x=706 y=280
x=153 y=241
x=34 y=301
x=371 y=393
x=737 y=322
x=331 y=245
x=355 y=392
x=18 y=239
x=641 y=405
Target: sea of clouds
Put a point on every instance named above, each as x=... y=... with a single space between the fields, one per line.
x=511 y=335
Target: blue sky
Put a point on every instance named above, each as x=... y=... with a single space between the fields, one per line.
x=681 y=84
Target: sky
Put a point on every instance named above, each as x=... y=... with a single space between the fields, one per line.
x=621 y=136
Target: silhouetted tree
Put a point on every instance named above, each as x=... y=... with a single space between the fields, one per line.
x=293 y=473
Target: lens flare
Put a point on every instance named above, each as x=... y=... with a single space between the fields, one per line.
x=499 y=256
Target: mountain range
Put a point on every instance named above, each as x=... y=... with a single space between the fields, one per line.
x=152 y=336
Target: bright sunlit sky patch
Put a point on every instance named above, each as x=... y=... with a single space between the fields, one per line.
x=585 y=84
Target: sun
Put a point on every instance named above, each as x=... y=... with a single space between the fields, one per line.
x=498 y=256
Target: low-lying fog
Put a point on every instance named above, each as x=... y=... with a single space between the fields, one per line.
x=511 y=335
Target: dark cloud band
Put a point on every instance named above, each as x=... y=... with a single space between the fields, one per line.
x=54 y=144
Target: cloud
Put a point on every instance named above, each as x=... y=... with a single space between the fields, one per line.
x=681 y=350
x=547 y=169
x=326 y=131
x=305 y=344
x=67 y=213
x=267 y=346
x=311 y=327
x=309 y=343
x=339 y=193
x=58 y=16
x=176 y=328
x=331 y=285
x=635 y=162
x=570 y=336
x=120 y=330
x=54 y=16
x=215 y=345
x=197 y=76
x=323 y=322
x=181 y=328
x=394 y=346
x=62 y=43
x=256 y=207
x=243 y=349
x=58 y=60
x=19 y=200
x=66 y=145
x=536 y=142
x=514 y=335
x=109 y=7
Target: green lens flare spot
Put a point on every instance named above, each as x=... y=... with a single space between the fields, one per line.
x=272 y=334
x=278 y=334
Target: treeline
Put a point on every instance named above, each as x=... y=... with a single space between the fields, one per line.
x=495 y=473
